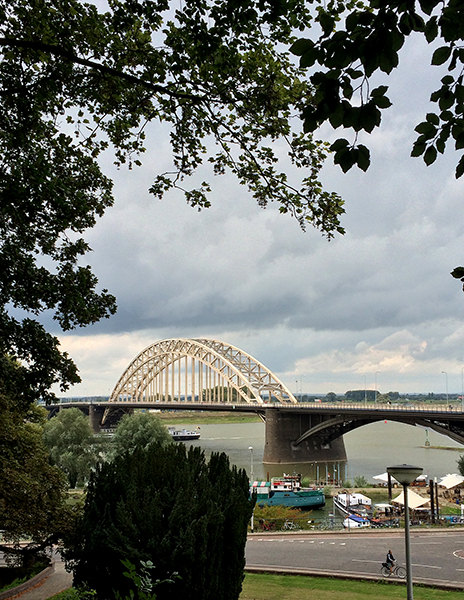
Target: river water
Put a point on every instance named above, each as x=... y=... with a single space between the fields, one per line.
x=370 y=449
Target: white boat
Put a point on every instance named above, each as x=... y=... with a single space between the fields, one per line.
x=355 y=521
x=183 y=435
x=349 y=504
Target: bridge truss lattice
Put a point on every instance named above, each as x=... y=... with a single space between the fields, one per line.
x=197 y=370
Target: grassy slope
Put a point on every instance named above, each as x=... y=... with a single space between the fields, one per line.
x=206 y=418
x=282 y=587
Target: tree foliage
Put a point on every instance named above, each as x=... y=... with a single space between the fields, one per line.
x=167 y=505
x=72 y=445
x=77 y=81
x=460 y=464
x=361 y=40
x=32 y=492
x=138 y=431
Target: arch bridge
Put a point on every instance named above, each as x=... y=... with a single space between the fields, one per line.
x=206 y=374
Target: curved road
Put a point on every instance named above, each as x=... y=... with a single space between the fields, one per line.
x=437 y=555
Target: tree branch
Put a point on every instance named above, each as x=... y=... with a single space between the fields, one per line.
x=59 y=51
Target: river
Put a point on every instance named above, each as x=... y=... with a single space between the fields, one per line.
x=370 y=449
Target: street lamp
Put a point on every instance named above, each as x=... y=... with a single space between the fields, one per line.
x=446 y=377
x=365 y=391
x=406 y=474
x=251 y=464
x=250 y=448
x=462 y=389
x=375 y=393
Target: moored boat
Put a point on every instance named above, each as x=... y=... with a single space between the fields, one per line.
x=355 y=521
x=287 y=491
x=348 y=504
x=184 y=435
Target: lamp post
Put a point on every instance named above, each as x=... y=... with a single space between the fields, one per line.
x=375 y=392
x=446 y=378
x=365 y=391
x=462 y=389
x=406 y=474
x=251 y=464
x=250 y=448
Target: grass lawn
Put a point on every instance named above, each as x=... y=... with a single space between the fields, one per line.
x=289 y=587
x=206 y=417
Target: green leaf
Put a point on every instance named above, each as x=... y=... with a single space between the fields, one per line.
x=379 y=91
x=310 y=122
x=352 y=20
x=382 y=102
x=364 y=157
x=301 y=46
x=441 y=55
x=431 y=29
x=370 y=117
x=339 y=144
x=428 y=5
x=346 y=158
x=418 y=149
x=440 y=145
x=427 y=129
x=446 y=100
x=432 y=118
x=459 y=141
x=336 y=117
x=430 y=155
x=460 y=168
x=458 y=272
x=309 y=58
x=327 y=22
x=417 y=22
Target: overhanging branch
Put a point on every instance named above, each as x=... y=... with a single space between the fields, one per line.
x=70 y=56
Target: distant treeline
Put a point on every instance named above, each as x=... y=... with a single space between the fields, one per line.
x=370 y=396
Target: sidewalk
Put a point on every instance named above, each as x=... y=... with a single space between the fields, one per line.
x=56 y=582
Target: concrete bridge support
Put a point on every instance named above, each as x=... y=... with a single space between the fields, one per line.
x=96 y=415
x=283 y=428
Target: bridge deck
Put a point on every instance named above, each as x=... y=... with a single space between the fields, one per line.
x=341 y=408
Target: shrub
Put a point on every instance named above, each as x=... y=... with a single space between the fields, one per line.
x=166 y=505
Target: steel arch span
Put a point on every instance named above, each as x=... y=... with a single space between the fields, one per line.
x=189 y=370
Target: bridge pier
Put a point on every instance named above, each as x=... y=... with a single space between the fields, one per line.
x=96 y=415
x=284 y=428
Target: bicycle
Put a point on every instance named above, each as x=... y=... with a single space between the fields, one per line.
x=290 y=526
x=267 y=525
x=397 y=570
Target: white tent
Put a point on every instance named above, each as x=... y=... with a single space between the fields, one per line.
x=451 y=480
x=414 y=500
x=384 y=477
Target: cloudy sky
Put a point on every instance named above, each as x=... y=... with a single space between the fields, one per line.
x=323 y=316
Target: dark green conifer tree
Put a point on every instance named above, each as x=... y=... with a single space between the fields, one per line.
x=170 y=506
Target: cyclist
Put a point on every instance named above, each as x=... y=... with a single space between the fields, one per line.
x=390 y=560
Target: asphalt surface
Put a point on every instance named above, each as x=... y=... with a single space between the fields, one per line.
x=437 y=556
x=58 y=581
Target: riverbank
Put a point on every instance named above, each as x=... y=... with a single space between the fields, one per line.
x=206 y=417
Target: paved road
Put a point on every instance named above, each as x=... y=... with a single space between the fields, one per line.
x=437 y=556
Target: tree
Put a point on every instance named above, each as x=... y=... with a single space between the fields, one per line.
x=360 y=395
x=360 y=481
x=167 y=505
x=460 y=463
x=359 y=41
x=77 y=82
x=138 y=431
x=72 y=445
x=32 y=492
